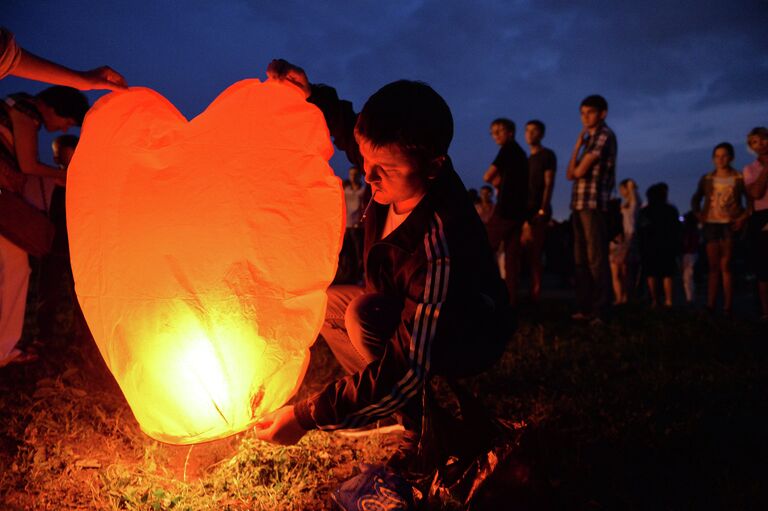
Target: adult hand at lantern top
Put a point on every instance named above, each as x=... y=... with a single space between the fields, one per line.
x=280 y=427
x=103 y=77
x=282 y=70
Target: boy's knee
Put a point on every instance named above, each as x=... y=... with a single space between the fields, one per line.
x=373 y=308
x=373 y=314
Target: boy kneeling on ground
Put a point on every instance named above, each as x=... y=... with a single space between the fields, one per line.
x=433 y=302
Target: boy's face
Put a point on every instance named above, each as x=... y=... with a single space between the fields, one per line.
x=624 y=191
x=758 y=144
x=53 y=121
x=354 y=175
x=62 y=155
x=392 y=175
x=500 y=134
x=532 y=134
x=485 y=194
x=591 y=116
x=722 y=158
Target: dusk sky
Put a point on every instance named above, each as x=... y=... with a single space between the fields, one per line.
x=679 y=77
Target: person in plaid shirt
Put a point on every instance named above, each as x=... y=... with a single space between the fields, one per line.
x=592 y=168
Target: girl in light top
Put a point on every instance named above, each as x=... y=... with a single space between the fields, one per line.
x=624 y=247
x=723 y=214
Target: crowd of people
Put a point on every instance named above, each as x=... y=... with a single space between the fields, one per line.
x=620 y=247
x=619 y=243
x=423 y=268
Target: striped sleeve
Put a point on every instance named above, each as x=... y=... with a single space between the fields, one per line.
x=10 y=53
x=387 y=384
x=601 y=139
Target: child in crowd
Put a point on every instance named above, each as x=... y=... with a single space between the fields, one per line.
x=756 y=182
x=56 y=284
x=350 y=269
x=485 y=205
x=690 y=250
x=659 y=237
x=623 y=249
x=723 y=215
x=542 y=165
x=592 y=168
x=509 y=174
x=433 y=302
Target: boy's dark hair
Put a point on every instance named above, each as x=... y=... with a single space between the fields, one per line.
x=657 y=193
x=66 y=141
x=410 y=115
x=760 y=131
x=538 y=124
x=595 y=101
x=507 y=123
x=67 y=102
x=728 y=148
x=487 y=187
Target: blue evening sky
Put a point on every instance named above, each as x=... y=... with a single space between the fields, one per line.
x=680 y=76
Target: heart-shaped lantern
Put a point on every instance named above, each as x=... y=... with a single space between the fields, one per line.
x=202 y=251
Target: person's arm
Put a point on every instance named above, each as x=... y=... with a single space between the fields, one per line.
x=25 y=144
x=757 y=188
x=387 y=384
x=549 y=186
x=339 y=114
x=492 y=176
x=696 y=199
x=578 y=168
x=10 y=53
x=32 y=67
x=741 y=190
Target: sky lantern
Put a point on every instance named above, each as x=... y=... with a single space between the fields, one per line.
x=202 y=251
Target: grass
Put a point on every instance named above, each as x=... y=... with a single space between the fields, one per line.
x=655 y=410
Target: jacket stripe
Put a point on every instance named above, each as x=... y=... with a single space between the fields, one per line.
x=422 y=334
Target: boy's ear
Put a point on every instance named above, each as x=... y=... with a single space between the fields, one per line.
x=433 y=169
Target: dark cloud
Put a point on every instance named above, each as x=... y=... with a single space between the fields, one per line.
x=741 y=84
x=679 y=75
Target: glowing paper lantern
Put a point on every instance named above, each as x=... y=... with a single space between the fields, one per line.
x=202 y=250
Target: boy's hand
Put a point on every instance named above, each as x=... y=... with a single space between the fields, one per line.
x=282 y=70
x=582 y=137
x=280 y=427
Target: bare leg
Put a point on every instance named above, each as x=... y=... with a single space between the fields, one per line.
x=667 y=282
x=652 y=291
x=689 y=260
x=512 y=249
x=616 y=280
x=713 y=273
x=535 y=250
x=624 y=279
x=726 y=247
